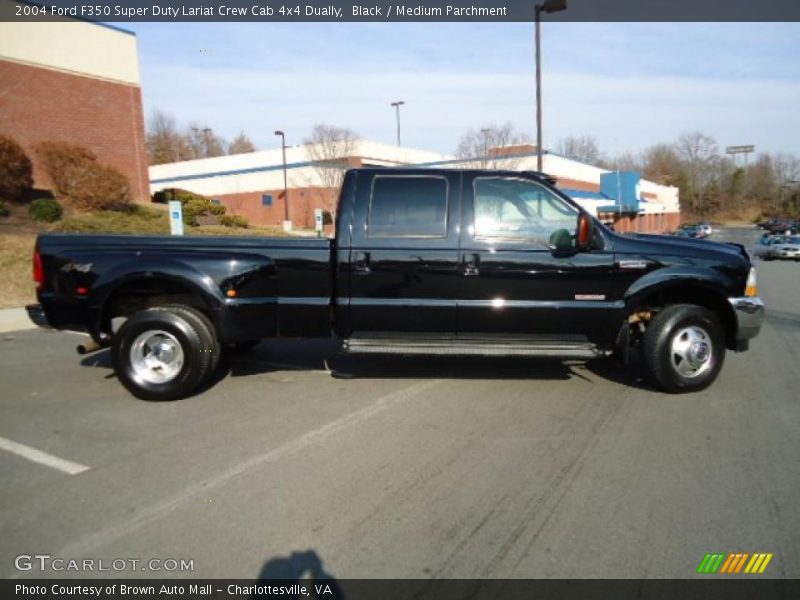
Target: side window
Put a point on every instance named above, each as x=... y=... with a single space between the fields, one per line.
x=520 y=209
x=408 y=206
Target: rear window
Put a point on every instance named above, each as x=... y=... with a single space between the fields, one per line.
x=408 y=206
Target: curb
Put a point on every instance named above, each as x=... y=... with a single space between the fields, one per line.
x=15 y=319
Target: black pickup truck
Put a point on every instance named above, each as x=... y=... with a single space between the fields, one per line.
x=424 y=262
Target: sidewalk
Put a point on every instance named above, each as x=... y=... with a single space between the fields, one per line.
x=14 y=319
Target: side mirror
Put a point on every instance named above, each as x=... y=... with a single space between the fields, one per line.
x=583 y=234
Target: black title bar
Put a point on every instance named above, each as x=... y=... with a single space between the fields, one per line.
x=412 y=11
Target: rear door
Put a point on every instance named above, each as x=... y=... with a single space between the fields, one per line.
x=404 y=273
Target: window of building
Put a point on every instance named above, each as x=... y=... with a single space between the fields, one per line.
x=408 y=206
x=266 y=200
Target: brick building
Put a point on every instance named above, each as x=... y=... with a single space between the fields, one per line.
x=77 y=82
x=252 y=184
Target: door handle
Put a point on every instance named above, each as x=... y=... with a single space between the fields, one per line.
x=470 y=265
x=361 y=263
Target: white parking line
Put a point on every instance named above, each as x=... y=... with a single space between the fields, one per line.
x=43 y=458
x=148 y=514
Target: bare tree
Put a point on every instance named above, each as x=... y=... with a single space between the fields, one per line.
x=583 y=148
x=491 y=147
x=661 y=163
x=241 y=144
x=165 y=143
x=204 y=142
x=700 y=155
x=627 y=161
x=329 y=147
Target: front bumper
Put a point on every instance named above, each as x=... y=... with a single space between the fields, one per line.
x=36 y=314
x=749 y=313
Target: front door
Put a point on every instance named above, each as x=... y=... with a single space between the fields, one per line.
x=521 y=275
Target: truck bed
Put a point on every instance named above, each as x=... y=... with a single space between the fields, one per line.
x=255 y=286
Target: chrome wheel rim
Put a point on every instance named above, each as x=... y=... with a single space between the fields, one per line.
x=691 y=352
x=156 y=356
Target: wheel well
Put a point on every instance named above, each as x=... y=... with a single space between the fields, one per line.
x=141 y=294
x=691 y=294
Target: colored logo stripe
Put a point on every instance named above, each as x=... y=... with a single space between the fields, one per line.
x=734 y=562
x=758 y=563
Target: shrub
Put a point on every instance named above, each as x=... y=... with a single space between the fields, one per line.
x=78 y=177
x=233 y=221
x=140 y=219
x=99 y=187
x=4 y=212
x=16 y=171
x=327 y=217
x=193 y=209
x=45 y=209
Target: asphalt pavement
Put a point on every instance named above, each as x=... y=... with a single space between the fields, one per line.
x=404 y=468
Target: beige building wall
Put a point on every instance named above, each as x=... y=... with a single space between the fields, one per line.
x=88 y=49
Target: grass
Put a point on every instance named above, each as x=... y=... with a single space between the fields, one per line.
x=16 y=283
x=18 y=237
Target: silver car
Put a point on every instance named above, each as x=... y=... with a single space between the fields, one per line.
x=787 y=247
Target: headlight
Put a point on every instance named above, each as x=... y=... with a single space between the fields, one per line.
x=751 y=289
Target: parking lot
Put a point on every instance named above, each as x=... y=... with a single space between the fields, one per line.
x=406 y=468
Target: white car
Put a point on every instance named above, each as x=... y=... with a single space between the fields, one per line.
x=787 y=248
x=705 y=228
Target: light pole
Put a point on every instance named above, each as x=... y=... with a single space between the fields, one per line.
x=485 y=133
x=397 y=106
x=285 y=184
x=547 y=6
x=206 y=131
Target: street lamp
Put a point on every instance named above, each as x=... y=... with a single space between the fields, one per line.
x=485 y=133
x=397 y=106
x=206 y=131
x=285 y=184
x=547 y=6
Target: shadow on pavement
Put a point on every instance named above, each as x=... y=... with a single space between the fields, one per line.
x=302 y=568
x=273 y=356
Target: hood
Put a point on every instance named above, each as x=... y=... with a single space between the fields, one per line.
x=668 y=244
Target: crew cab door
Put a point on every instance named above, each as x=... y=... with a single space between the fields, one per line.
x=403 y=265
x=521 y=276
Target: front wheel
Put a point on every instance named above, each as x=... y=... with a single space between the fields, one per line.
x=163 y=353
x=683 y=348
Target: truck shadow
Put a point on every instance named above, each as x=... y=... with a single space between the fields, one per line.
x=274 y=356
x=324 y=355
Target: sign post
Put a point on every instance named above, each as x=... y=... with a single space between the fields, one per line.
x=175 y=217
x=734 y=150
x=318 y=221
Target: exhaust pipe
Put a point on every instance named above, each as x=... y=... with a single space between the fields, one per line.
x=88 y=347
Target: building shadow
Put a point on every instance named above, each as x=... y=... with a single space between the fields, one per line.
x=303 y=569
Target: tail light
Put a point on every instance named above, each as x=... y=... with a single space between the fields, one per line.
x=38 y=270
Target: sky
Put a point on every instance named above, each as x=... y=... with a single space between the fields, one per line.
x=628 y=85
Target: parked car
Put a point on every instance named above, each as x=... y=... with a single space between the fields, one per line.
x=782 y=226
x=785 y=247
x=424 y=262
x=705 y=228
x=680 y=233
x=693 y=231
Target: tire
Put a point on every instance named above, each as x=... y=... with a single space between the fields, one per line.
x=163 y=353
x=234 y=348
x=683 y=348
